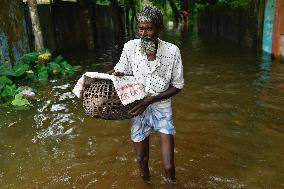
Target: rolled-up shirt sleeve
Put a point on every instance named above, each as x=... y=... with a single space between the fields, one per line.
x=177 y=79
x=124 y=64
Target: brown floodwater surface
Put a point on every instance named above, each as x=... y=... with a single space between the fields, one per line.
x=229 y=119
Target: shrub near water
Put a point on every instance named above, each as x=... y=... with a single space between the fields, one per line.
x=35 y=66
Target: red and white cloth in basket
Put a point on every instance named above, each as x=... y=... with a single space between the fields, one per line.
x=127 y=88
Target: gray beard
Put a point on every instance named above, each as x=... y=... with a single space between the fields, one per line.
x=148 y=45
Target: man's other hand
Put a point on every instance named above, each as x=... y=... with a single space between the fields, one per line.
x=141 y=106
x=118 y=73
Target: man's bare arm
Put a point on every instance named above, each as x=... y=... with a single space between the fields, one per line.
x=140 y=107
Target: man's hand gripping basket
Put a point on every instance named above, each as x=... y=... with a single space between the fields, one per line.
x=100 y=100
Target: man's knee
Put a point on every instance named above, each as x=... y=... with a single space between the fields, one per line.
x=169 y=166
x=142 y=159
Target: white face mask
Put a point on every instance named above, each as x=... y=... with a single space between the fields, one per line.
x=148 y=45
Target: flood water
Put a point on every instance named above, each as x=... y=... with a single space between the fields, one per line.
x=229 y=119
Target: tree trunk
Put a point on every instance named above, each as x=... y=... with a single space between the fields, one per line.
x=87 y=7
x=175 y=11
x=35 y=24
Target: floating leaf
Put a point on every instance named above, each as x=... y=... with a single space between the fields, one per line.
x=20 y=101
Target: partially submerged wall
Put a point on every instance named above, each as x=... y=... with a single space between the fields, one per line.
x=239 y=25
x=13 y=35
x=63 y=30
x=278 y=29
x=268 y=26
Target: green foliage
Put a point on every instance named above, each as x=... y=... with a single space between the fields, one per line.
x=42 y=50
x=103 y=2
x=32 y=66
x=8 y=90
x=4 y=81
x=53 y=68
x=6 y=69
x=20 y=101
x=200 y=6
x=20 y=68
x=2 y=59
x=58 y=59
x=240 y=3
x=243 y=4
x=39 y=66
x=66 y=69
x=30 y=75
x=42 y=73
x=30 y=58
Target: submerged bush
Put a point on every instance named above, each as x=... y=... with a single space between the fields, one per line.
x=34 y=66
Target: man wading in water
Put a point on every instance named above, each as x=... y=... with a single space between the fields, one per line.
x=157 y=64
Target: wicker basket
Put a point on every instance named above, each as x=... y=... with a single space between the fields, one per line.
x=100 y=100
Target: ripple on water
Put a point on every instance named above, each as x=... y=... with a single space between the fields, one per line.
x=57 y=125
x=58 y=107
x=229 y=183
